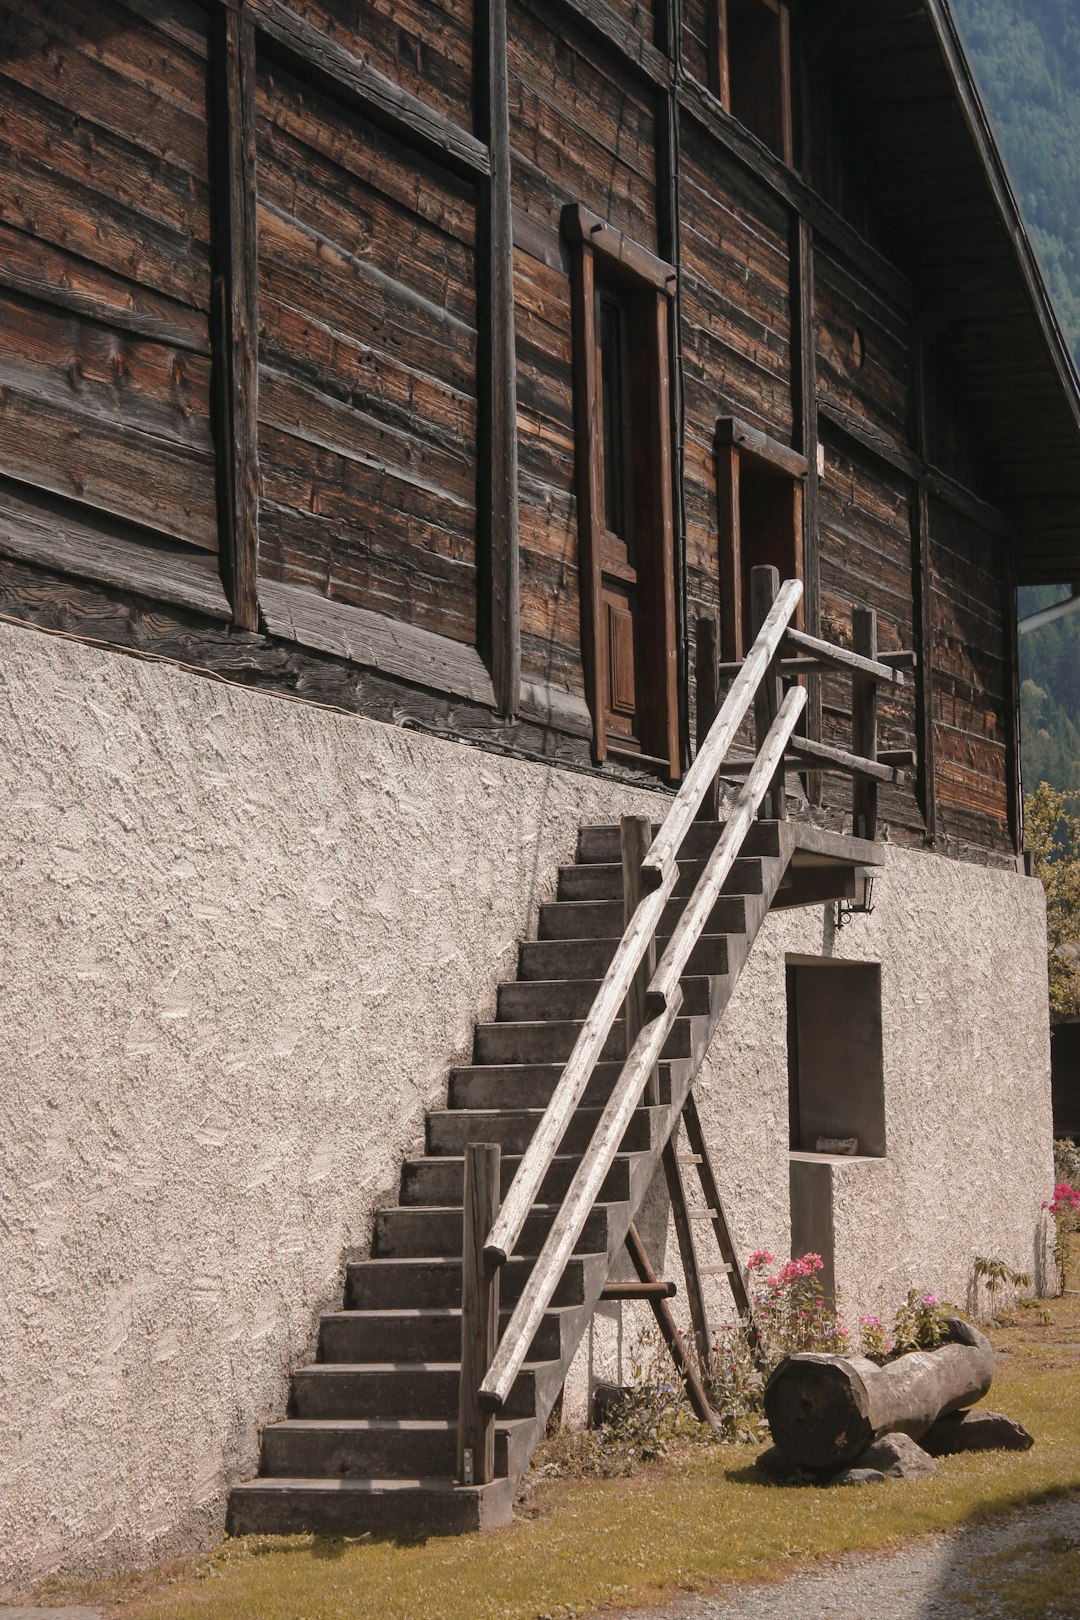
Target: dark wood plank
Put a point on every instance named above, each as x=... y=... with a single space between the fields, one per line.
x=236 y=308
x=373 y=639
x=307 y=50
x=498 y=431
x=479 y=1314
x=74 y=540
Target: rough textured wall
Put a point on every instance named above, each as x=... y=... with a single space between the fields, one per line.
x=243 y=940
x=965 y=1036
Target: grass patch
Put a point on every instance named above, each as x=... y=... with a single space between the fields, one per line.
x=696 y=1519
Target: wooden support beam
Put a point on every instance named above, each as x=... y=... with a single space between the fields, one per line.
x=635 y=837
x=320 y=59
x=847 y=662
x=639 y=1290
x=235 y=307
x=479 y=1315
x=707 y=679
x=764 y=586
x=864 y=725
x=695 y=1389
x=497 y=427
x=922 y=589
x=804 y=391
x=699 y=1152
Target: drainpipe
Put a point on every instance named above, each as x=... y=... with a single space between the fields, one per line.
x=1048 y=614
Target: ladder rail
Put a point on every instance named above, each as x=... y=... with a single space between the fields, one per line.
x=625 y=1096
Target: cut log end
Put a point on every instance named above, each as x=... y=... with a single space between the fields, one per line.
x=818 y=1410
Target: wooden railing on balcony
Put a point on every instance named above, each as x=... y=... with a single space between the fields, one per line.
x=759 y=682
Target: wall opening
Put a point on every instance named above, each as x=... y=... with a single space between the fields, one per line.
x=836 y=1088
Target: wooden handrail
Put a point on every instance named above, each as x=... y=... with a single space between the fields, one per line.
x=659 y=868
x=839 y=658
x=626 y=1093
x=698 y=908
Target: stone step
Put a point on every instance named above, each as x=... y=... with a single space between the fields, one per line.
x=436 y=1284
x=451 y=1130
x=551 y=1040
x=591 y=958
x=603 y=880
x=602 y=843
x=348 y=1507
x=603 y=919
x=416 y=1229
x=532 y=1085
x=415 y=1335
x=425 y=1389
x=439 y=1180
x=362 y=1448
x=538 y=1000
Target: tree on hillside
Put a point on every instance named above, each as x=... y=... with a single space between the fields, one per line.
x=1052 y=835
x=1026 y=56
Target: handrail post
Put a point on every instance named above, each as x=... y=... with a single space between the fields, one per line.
x=864 y=728
x=479 y=1314
x=764 y=587
x=707 y=681
x=635 y=836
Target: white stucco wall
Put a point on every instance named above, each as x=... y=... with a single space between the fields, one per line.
x=241 y=943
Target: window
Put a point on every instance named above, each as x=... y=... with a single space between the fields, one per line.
x=759 y=489
x=836 y=1086
x=750 y=68
x=622 y=437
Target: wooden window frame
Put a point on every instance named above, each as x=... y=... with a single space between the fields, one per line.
x=721 y=77
x=600 y=253
x=736 y=445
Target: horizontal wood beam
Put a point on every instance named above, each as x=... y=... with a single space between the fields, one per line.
x=303 y=46
x=868 y=436
x=623 y=39
x=731 y=431
x=580 y=224
x=639 y=1290
x=825 y=757
x=839 y=658
x=704 y=108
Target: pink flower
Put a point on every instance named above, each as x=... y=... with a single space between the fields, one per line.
x=929 y=1299
x=759 y=1258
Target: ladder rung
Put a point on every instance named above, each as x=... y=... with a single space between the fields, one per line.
x=715 y=1271
x=704 y=1214
x=689 y=1158
x=639 y=1290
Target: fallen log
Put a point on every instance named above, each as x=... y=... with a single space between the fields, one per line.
x=823 y=1411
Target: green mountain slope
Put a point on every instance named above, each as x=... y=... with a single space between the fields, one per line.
x=1026 y=56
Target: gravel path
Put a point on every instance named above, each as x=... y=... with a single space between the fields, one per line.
x=943 y=1576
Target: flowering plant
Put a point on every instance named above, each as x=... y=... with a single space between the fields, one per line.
x=921 y=1323
x=1065 y=1208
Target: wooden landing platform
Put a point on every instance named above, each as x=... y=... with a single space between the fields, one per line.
x=826 y=866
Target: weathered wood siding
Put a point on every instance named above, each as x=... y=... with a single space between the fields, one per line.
x=367 y=375
x=105 y=267
x=582 y=129
x=971 y=680
x=121 y=400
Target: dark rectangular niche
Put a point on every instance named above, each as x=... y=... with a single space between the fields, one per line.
x=836 y=1087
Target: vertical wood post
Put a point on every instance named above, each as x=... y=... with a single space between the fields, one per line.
x=923 y=591
x=665 y=1321
x=707 y=679
x=498 y=397
x=764 y=586
x=479 y=1315
x=235 y=306
x=864 y=792
x=635 y=836
x=806 y=439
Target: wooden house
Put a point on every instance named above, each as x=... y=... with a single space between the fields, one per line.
x=412 y=391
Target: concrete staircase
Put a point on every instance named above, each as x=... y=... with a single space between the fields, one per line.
x=369 y=1442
